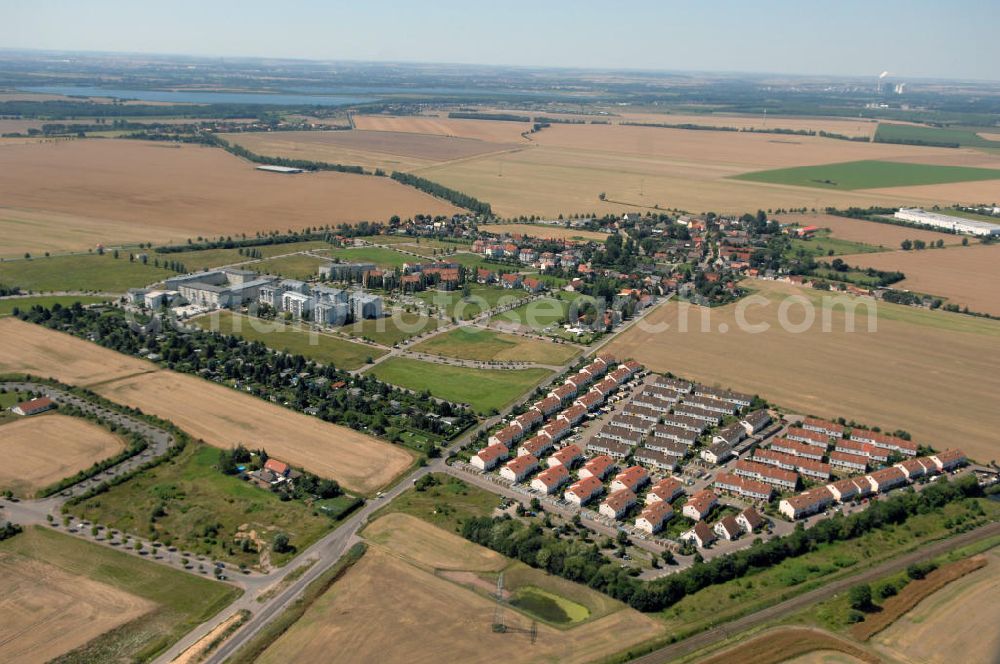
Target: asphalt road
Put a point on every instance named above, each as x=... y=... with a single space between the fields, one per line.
x=726 y=630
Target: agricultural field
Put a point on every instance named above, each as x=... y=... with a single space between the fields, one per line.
x=83 y=272
x=482 y=389
x=424 y=246
x=833 y=125
x=545 y=231
x=871 y=174
x=43 y=449
x=389 y=151
x=205 y=512
x=922 y=371
x=64 y=595
x=436 y=585
x=795 y=644
x=8 y=305
x=966 y=276
x=957 y=618
x=105 y=188
x=382 y=257
x=481 y=299
x=446 y=503
x=823 y=243
x=491 y=131
x=29 y=348
x=475 y=343
x=393 y=329
x=219 y=415
x=872 y=233
x=291 y=338
x=294 y=266
x=965 y=137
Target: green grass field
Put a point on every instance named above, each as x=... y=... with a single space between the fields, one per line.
x=962 y=136
x=201 y=259
x=853 y=175
x=482 y=389
x=89 y=272
x=290 y=338
x=400 y=326
x=474 y=343
x=481 y=298
x=541 y=313
x=547 y=606
x=204 y=509
x=384 y=258
x=183 y=600
x=295 y=266
x=24 y=303
x=823 y=244
x=419 y=245
x=446 y=504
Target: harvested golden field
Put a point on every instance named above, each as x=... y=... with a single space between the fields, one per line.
x=960 y=618
x=963 y=193
x=223 y=417
x=384 y=609
x=431 y=547
x=967 y=276
x=548 y=232
x=133 y=191
x=640 y=168
x=219 y=415
x=36 y=350
x=43 y=449
x=867 y=232
x=923 y=371
x=989 y=136
x=794 y=644
x=854 y=127
x=48 y=612
x=390 y=151
x=493 y=131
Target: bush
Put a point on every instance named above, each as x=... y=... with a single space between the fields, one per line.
x=886 y=590
x=860 y=597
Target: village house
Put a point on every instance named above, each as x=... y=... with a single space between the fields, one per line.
x=698 y=413
x=655 y=459
x=831 y=429
x=527 y=420
x=598 y=467
x=783 y=479
x=912 y=468
x=808 y=437
x=685 y=422
x=886 y=479
x=33 y=407
x=612 y=448
x=642 y=413
x=510 y=280
x=736 y=398
x=700 y=505
x=617 y=504
x=548 y=405
x=755 y=421
x=518 y=468
x=702 y=535
x=567 y=456
x=580 y=380
x=806 y=503
x=949 y=459
x=536 y=446
x=573 y=415
x=731 y=434
x=632 y=423
x=808 y=467
x=549 y=480
x=506 y=436
x=751 y=520
x=728 y=528
x=679 y=386
x=796 y=448
x=591 y=400
x=488 y=457
x=584 y=490
x=653 y=517
x=717 y=453
x=674 y=434
x=891 y=443
x=743 y=486
x=845 y=489
x=632 y=478
x=564 y=392
x=614 y=432
x=666 y=490
x=556 y=430
x=668 y=447
x=711 y=404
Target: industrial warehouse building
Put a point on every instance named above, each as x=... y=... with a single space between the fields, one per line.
x=954 y=224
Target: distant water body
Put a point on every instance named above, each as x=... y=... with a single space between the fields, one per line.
x=196 y=97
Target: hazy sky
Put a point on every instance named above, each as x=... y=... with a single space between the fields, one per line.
x=914 y=38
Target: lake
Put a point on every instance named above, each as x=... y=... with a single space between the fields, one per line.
x=198 y=97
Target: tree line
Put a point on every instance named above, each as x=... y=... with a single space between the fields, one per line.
x=439 y=190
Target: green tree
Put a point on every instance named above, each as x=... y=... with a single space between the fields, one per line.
x=906 y=245
x=860 y=597
x=281 y=543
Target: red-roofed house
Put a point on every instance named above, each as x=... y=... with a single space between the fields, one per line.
x=949 y=459
x=702 y=535
x=518 y=468
x=573 y=414
x=617 y=503
x=728 y=528
x=548 y=481
x=750 y=520
x=831 y=429
x=556 y=430
x=581 y=492
x=630 y=478
x=564 y=392
x=33 y=407
x=654 y=516
x=548 y=405
x=591 y=400
x=536 y=446
x=886 y=479
x=806 y=503
x=506 y=436
x=511 y=280
x=567 y=456
x=598 y=466
x=666 y=490
x=277 y=467
x=488 y=457
x=699 y=505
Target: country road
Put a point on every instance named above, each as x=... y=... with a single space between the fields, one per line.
x=675 y=651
